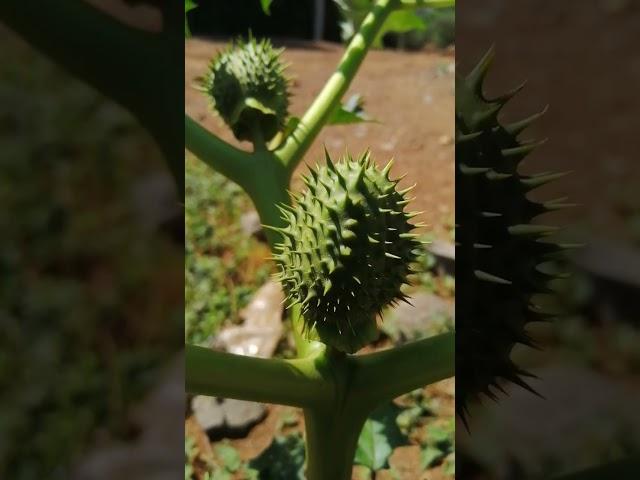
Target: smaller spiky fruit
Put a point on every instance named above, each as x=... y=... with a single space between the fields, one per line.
x=346 y=250
x=248 y=89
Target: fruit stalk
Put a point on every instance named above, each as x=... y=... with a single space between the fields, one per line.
x=299 y=141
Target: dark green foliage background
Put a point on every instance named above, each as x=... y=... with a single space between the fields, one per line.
x=88 y=310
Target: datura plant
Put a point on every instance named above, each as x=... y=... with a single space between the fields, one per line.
x=344 y=246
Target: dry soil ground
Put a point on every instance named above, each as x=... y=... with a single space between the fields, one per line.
x=411 y=94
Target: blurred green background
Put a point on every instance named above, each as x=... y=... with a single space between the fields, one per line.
x=91 y=299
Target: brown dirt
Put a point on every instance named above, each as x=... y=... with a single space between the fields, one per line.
x=581 y=59
x=410 y=93
x=405 y=460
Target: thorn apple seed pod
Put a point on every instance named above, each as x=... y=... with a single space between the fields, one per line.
x=248 y=89
x=346 y=250
x=500 y=249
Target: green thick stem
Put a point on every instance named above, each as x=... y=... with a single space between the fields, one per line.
x=333 y=427
x=260 y=174
x=299 y=141
x=332 y=439
x=361 y=383
x=384 y=375
x=226 y=159
x=297 y=383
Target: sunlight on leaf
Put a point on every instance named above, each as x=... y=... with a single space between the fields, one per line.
x=188 y=6
x=266 y=6
x=352 y=111
x=284 y=458
x=379 y=437
x=400 y=21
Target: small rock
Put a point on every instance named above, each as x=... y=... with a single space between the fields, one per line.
x=361 y=131
x=445 y=254
x=208 y=412
x=251 y=225
x=158 y=452
x=429 y=314
x=226 y=417
x=260 y=333
x=389 y=145
x=154 y=200
x=240 y=415
x=258 y=336
x=445 y=140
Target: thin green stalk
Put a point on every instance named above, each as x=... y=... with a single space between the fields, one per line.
x=297 y=383
x=332 y=428
x=299 y=141
x=384 y=375
x=410 y=4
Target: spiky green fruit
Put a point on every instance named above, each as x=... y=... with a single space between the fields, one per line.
x=346 y=250
x=249 y=90
x=501 y=251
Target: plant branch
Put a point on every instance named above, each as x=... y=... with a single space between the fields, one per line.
x=331 y=440
x=226 y=159
x=384 y=375
x=297 y=383
x=299 y=141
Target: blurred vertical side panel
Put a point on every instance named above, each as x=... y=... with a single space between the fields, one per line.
x=91 y=239
x=577 y=416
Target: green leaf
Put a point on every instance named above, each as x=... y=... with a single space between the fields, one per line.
x=430 y=456
x=284 y=458
x=449 y=466
x=400 y=21
x=350 y=112
x=440 y=435
x=229 y=457
x=220 y=475
x=188 y=6
x=409 y=418
x=266 y=6
x=379 y=437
